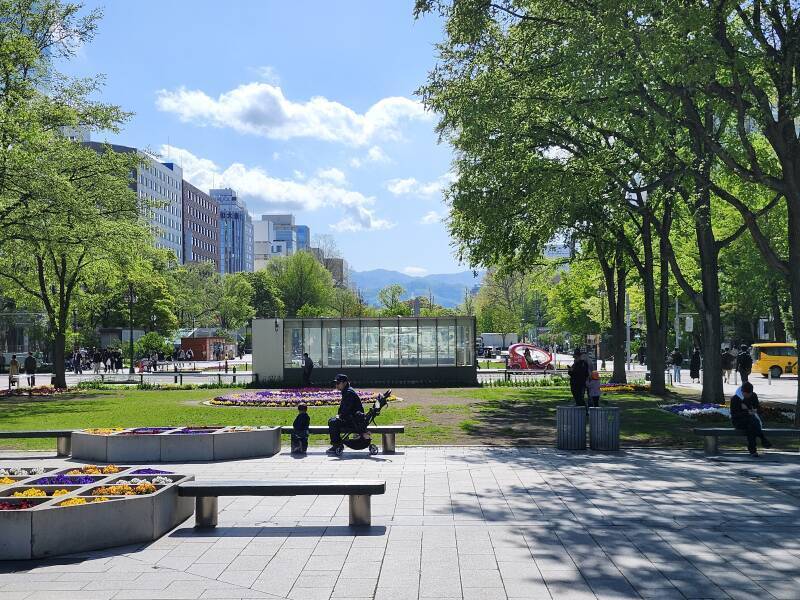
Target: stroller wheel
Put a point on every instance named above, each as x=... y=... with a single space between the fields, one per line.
x=373 y=449
x=339 y=450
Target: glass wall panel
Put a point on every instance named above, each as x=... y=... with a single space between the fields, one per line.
x=370 y=344
x=292 y=344
x=351 y=344
x=464 y=343
x=446 y=342
x=427 y=344
x=389 y=355
x=331 y=344
x=312 y=340
x=469 y=328
x=408 y=344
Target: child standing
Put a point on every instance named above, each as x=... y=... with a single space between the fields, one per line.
x=300 y=430
x=593 y=387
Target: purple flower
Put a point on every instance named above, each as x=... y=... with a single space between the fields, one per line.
x=65 y=480
x=151 y=472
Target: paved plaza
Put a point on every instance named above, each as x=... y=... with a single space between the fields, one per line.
x=466 y=523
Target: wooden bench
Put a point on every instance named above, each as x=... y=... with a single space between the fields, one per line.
x=63 y=438
x=711 y=436
x=207 y=492
x=387 y=432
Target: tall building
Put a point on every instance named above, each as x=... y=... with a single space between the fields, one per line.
x=200 y=226
x=162 y=184
x=303 y=237
x=236 y=232
x=285 y=231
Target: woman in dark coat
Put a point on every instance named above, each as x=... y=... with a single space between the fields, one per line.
x=694 y=366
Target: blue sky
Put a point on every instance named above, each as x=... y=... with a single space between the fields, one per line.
x=307 y=107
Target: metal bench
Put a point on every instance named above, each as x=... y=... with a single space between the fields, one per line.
x=63 y=438
x=711 y=436
x=207 y=492
x=387 y=432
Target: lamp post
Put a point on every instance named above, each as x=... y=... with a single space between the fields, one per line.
x=130 y=296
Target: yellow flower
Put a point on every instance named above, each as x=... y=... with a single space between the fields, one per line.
x=30 y=493
x=6 y=480
x=60 y=492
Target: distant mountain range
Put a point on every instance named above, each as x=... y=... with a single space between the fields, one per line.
x=447 y=288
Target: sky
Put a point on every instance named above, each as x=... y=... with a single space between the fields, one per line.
x=305 y=107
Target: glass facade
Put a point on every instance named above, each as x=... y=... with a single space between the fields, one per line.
x=395 y=343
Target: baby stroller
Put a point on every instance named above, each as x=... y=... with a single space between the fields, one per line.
x=358 y=440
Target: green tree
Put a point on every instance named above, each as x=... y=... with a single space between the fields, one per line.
x=266 y=295
x=236 y=302
x=301 y=280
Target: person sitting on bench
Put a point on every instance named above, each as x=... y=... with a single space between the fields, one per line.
x=744 y=416
x=350 y=409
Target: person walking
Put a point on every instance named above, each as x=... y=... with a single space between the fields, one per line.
x=2 y=363
x=30 y=369
x=97 y=356
x=694 y=365
x=13 y=372
x=77 y=367
x=578 y=374
x=744 y=416
x=308 y=366
x=744 y=363
x=727 y=360
x=676 y=359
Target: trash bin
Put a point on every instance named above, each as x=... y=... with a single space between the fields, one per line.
x=571 y=427
x=604 y=428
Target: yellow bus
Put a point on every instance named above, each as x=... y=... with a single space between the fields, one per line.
x=777 y=358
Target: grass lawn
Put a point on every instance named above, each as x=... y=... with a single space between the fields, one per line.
x=507 y=416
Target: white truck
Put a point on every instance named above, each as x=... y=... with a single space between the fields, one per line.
x=496 y=340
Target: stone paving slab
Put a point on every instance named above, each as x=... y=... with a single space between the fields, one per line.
x=466 y=522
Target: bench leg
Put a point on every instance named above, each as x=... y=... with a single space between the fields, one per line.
x=387 y=441
x=360 y=509
x=64 y=445
x=205 y=512
x=711 y=445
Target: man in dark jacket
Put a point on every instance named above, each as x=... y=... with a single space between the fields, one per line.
x=30 y=369
x=308 y=366
x=350 y=417
x=676 y=359
x=744 y=416
x=578 y=374
x=744 y=363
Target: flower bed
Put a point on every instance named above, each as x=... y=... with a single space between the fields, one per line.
x=95 y=470
x=151 y=472
x=104 y=430
x=290 y=398
x=699 y=411
x=42 y=390
x=148 y=431
x=611 y=388
x=22 y=471
x=25 y=504
x=78 y=501
x=125 y=489
x=66 y=480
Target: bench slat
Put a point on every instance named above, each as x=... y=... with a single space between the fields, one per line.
x=48 y=433
x=372 y=429
x=282 y=487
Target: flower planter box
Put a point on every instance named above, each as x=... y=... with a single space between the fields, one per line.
x=48 y=529
x=176 y=445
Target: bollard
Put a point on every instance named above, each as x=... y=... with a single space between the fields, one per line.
x=181 y=378
x=226 y=366
x=769 y=377
x=176 y=379
x=234 y=373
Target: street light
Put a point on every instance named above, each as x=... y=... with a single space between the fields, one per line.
x=130 y=296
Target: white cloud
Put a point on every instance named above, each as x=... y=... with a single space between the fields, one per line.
x=268 y=74
x=333 y=174
x=260 y=108
x=411 y=187
x=415 y=271
x=374 y=154
x=401 y=187
x=431 y=218
x=255 y=183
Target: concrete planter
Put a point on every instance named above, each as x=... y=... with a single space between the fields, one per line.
x=48 y=529
x=172 y=445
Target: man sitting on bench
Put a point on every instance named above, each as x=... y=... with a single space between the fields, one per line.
x=744 y=416
x=350 y=409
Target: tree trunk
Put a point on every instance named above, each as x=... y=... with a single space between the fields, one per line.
x=794 y=284
x=656 y=327
x=708 y=302
x=778 y=326
x=618 y=324
x=59 y=353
